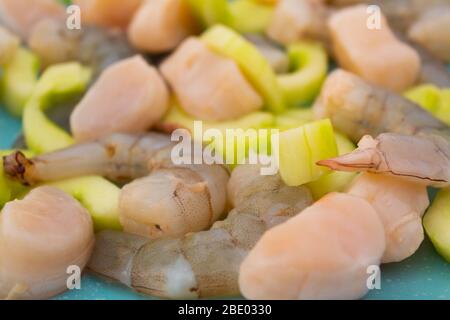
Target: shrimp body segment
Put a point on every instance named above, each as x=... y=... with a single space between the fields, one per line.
x=167 y=200
x=202 y=264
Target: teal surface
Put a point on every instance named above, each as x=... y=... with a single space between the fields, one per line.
x=423 y=276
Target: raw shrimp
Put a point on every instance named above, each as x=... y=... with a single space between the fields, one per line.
x=411 y=157
x=160 y=25
x=400 y=204
x=118 y=157
x=432 y=31
x=40 y=237
x=357 y=108
x=202 y=264
x=169 y=200
x=54 y=43
x=208 y=85
x=130 y=96
x=21 y=16
x=322 y=253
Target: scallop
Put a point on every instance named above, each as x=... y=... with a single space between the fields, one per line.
x=160 y=25
x=129 y=97
x=372 y=52
x=207 y=85
x=325 y=252
x=42 y=236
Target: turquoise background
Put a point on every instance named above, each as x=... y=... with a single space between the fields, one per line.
x=423 y=276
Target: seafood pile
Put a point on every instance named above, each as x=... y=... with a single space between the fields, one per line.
x=215 y=148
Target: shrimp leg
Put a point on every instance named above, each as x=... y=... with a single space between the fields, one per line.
x=206 y=263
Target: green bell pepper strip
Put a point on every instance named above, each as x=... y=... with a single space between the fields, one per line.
x=245 y=16
x=61 y=82
x=255 y=67
x=18 y=80
x=433 y=99
x=309 y=63
x=436 y=223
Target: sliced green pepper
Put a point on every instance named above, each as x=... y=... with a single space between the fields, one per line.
x=433 y=99
x=19 y=79
x=309 y=63
x=245 y=16
x=254 y=66
x=58 y=83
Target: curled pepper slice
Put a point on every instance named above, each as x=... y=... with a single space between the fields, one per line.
x=245 y=16
x=61 y=82
x=309 y=63
x=19 y=79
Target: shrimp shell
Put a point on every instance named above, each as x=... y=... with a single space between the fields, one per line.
x=201 y=264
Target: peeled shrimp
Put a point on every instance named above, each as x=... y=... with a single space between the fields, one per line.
x=202 y=264
x=432 y=31
x=322 y=253
x=167 y=200
x=22 y=15
x=40 y=237
x=129 y=97
x=54 y=43
x=375 y=55
x=160 y=25
x=207 y=85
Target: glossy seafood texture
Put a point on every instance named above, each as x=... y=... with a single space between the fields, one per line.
x=400 y=204
x=174 y=201
x=160 y=25
x=207 y=85
x=40 y=237
x=130 y=97
x=108 y=13
x=9 y=43
x=432 y=31
x=202 y=264
x=95 y=46
x=295 y=20
x=424 y=159
x=374 y=54
x=22 y=15
x=356 y=108
x=322 y=253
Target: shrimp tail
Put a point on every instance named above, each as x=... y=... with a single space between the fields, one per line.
x=412 y=157
x=18 y=167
